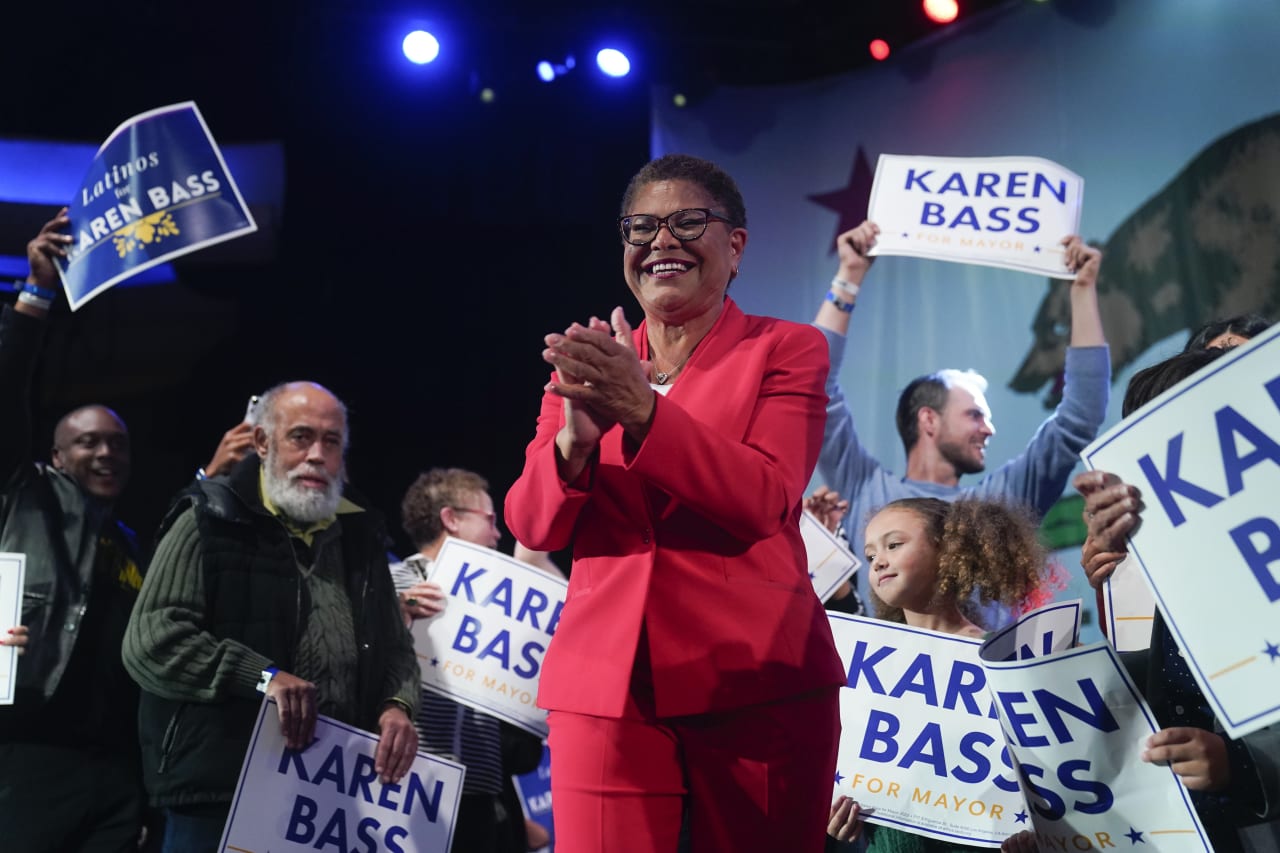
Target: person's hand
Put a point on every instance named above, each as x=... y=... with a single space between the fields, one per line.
x=422 y=601
x=235 y=445
x=852 y=247
x=610 y=380
x=16 y=636
x=1020 y=842
x=1083 y=260
x=1112 y=510
x=1198 y=756
x=827 y=507
x=845 y=821
x=397 y=745
x=50 y=243
x=296 y=704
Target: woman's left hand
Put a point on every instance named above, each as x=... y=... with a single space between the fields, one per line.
x=611 y=379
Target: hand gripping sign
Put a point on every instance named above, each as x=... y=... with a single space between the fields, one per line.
x=158 y=188
x=1206 y=456
x=486 y=648
x=1009 y=212
x=1076 y=726
x=328 y=796
x=830 y=561
x=12 y=568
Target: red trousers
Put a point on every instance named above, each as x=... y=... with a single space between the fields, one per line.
x=754 y=779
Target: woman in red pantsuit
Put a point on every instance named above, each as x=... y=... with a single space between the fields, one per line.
x=692 y=672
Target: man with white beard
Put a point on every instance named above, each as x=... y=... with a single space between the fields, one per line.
x=267 y=580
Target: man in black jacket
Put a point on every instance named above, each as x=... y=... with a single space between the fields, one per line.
x=69 y=776
x=268 y=580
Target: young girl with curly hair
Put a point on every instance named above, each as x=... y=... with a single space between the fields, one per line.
x=929 y=563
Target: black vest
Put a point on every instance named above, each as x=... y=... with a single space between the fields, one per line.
x=192 y=751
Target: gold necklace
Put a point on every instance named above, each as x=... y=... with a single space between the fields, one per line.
x=661 y=377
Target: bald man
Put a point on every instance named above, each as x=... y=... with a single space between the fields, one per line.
x=69 y=770
x=268 y=580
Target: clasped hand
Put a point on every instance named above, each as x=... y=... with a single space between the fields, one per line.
x=601 y=378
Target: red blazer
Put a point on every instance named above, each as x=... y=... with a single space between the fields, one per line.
x=696 y=534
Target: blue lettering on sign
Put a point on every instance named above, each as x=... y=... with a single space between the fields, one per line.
x=1260 y=557
x=464 y=580
x=1171 y=483
x=331 y=769
x=1053 y=707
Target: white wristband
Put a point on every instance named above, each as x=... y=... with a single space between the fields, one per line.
x=848 y=288
x=26 y=297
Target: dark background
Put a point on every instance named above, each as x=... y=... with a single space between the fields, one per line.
x=427 y=240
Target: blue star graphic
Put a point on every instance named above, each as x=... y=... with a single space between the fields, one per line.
x=1135 y=837
x=812 y=575
x=435 y=661
x=1036 y=250
x=839 y=778
x=1272 y=650
x=1020 y=817
x=850 y=201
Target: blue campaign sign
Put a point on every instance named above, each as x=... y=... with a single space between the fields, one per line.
x=534 y=789
x=158 y=188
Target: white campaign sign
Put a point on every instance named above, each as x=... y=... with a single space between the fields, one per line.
x=1206 y=457
x=920 y=745
x=12 y=569
x=328 y=796
x=1128 y=607
x=486 y=648
x=1077 y=726
x=831 y=563
x=1008 y=212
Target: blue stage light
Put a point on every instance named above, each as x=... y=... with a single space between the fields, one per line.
x=613 y=62
x=546 y=71
x=421 y=47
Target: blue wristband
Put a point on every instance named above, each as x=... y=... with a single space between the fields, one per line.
x=37 y=290
x=841 y=305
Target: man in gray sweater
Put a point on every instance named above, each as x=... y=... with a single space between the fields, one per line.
x=943 y=418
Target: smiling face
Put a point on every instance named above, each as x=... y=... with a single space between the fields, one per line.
x=92 y=445
x=902 y=558
x=676 y=281
x=964 y=425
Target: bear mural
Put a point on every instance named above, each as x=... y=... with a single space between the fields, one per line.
x=1206 y=246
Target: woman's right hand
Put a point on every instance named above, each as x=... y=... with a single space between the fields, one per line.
x=421 y=601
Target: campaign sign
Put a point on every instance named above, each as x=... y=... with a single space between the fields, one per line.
x=920 y=745
x=1056 y=627
x=831 y=563
x=1206 y=457
x=485 y=648
x=328 y=796
x=1077 y=725
x=158 y=188
x=12 y=568
x=534 y=789
x=1008 y=212
x=1128 y=607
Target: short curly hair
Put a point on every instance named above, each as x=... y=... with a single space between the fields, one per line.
x=704 y=174
x=985 y=546
x=431 y=492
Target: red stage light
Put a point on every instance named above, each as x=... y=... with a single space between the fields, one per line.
x=941 y=11
x=879 y=49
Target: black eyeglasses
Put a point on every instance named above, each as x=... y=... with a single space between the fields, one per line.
x=640 y=229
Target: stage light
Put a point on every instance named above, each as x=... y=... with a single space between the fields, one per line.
x=487 y=95
x=679 y=99
x=941 y=11
x=879 y=50
x=613 y=62
x=546 y=71
x=420 y=47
